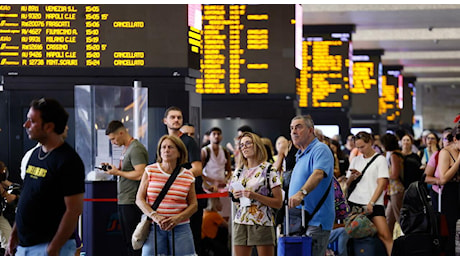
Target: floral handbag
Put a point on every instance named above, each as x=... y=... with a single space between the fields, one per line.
x=357 y=225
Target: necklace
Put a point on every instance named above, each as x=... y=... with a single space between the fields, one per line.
x=41 y=158
x=122 y=157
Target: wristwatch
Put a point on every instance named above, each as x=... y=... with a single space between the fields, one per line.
x=304 y=192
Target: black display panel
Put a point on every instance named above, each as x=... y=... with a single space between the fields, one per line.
x=249 y=49
x=390 y=102
x=367 y=71
x=87 y=39
x=325 y=76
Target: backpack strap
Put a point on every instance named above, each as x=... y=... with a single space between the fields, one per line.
x=267 y=179
x=227 y=153
x=208 y=155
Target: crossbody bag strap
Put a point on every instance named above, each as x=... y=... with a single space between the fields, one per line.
x=368 y=164
x=165 y=189
x=320 y=203
x=355 y=182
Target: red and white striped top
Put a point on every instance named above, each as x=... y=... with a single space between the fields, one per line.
x=175 y=200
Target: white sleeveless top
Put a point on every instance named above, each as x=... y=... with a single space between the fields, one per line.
x=215 y=167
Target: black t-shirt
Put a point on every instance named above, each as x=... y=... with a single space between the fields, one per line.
x=194 y=154
x=48 y=180
x=290 y=158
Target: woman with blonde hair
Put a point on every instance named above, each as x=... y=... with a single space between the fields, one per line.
x=256 y=188
x=178 y=205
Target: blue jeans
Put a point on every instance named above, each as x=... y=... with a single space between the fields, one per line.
x=183 y=239
x=68 y=249
x=342 y=237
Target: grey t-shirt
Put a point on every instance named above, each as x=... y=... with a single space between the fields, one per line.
x=134 y=155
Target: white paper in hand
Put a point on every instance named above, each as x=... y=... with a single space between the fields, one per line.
x=244 y=202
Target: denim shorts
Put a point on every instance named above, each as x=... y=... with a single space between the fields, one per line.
x=183 y=240
x=68 y=249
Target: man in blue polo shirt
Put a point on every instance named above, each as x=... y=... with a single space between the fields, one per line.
x=310 y=180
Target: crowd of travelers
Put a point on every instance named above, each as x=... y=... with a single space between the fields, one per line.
x=304 y=173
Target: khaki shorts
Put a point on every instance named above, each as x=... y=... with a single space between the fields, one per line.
x=253 y=235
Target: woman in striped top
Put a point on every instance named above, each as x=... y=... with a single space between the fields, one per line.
x=177 y=206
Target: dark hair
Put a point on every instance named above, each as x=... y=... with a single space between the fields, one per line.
x=217 y=129
x=171 y=108
x=412 y=140
x=390 y=142
x=400 y=133
x=245 y=128
x=365 y=136
x=456 y=132
x=340 y=153
x=188 y=124
x=113 y=127
x=51 y=112
x=436 y=137
x=449 y=137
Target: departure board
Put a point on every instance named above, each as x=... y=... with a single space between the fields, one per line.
x=367 y=70
x=325 y=76
x=391 y=95
x=39 y=37
x=250 y=49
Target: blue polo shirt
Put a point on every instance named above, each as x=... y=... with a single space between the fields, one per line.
x=316 y=156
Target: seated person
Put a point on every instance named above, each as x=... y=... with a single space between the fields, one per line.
x=214 y=231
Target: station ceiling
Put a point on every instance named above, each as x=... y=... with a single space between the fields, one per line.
x=423 y=38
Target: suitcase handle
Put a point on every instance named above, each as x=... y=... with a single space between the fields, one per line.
x=286 y=229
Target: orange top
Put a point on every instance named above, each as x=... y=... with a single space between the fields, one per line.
x=211 y=222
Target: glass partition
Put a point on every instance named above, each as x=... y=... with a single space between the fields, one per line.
x=95 y=107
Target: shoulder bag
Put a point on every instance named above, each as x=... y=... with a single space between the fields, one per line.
x=358 y=225
x=142 y=230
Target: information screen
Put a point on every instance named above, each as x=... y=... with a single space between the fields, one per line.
x=389 y=102
x=367 y=71
x=81 y=37
x=325 y=77
x=249 y=49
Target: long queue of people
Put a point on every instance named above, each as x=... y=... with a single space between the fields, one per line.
x=433 y=159
x=259 y=182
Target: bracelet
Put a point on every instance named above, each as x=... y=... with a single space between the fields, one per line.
x=372 y=203
x=151 y=213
